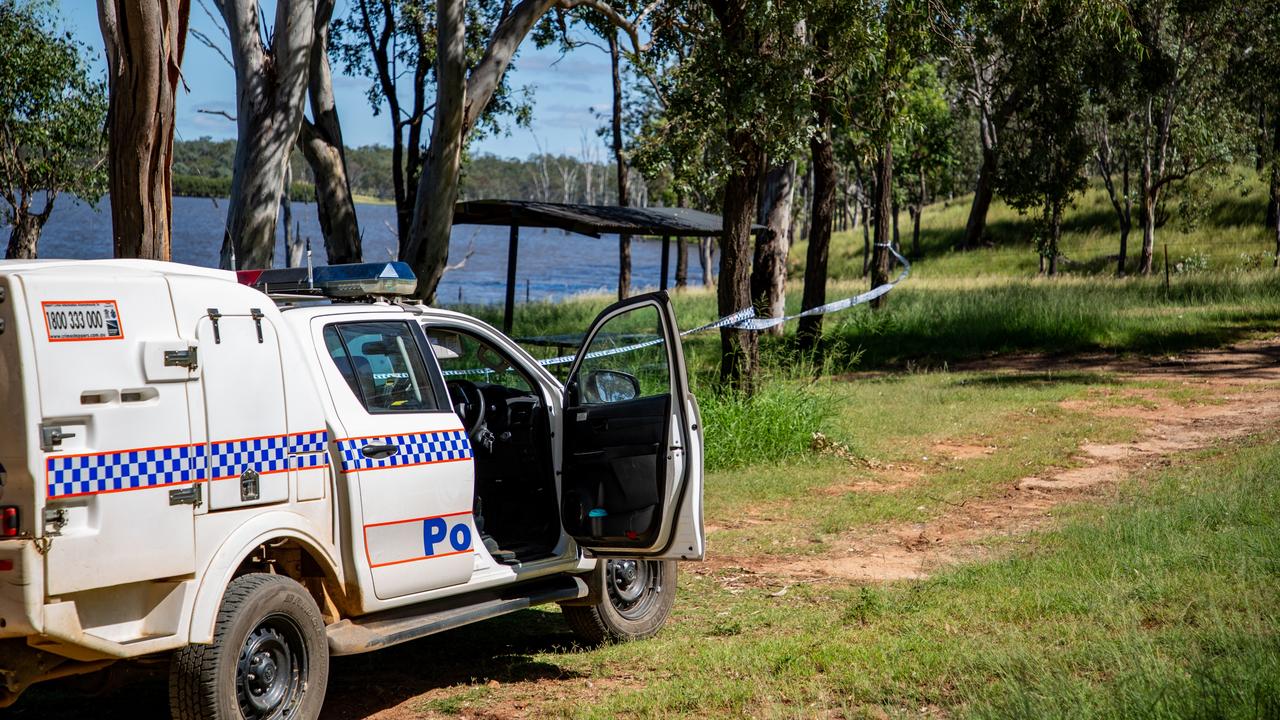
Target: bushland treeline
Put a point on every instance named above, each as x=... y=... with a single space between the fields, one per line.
x=203 y=168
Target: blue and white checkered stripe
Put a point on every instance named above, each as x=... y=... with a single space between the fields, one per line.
x=127 y=470
x=309 y=449
x=415 y=449
x=230 y=458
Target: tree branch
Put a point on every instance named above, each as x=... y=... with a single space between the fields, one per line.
x=216 y=22
x=208 y=42
x=223 y=113
x=614 y=17
x=471 y=250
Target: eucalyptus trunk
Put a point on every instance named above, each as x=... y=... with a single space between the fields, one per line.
x=286 y=213
x=271 y=91
x=983 y=192
x=1274 y=207
x=682 y=263
x=144 y=41
x=883 y=210
x=24 y=238
x=1147 y=208
x=322 y=146
x=1055 y=234
x=916 y=212
x=823 y=163
x=428 y=249
x=739 y=349
x=769 y=267
x=620 y=163
x=460 y=100
x=704 y=260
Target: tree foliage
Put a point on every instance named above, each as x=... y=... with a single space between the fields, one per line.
x=51 y=117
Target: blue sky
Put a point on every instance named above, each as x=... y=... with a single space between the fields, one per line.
x=565 y=90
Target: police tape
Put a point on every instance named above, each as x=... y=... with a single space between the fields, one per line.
x=745 y=319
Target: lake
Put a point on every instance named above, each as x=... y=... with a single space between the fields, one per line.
x=552 y=264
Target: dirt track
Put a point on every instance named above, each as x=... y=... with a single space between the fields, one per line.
x=1237 y=393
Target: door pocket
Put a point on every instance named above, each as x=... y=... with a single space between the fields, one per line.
x=615 y=493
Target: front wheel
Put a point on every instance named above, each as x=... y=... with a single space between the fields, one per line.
x=269 y=658
x=636 y=597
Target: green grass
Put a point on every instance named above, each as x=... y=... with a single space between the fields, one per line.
x=890 y=426
x=777 y=423
x=1163 y=603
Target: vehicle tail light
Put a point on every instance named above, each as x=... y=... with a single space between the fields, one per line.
x=8 y=521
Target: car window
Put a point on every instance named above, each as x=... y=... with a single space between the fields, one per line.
x=382 y=364
x=627 y=359
x=463 y=356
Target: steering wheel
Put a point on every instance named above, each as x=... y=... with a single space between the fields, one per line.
x=468 y=402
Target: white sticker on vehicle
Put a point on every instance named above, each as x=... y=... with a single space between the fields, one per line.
x=72 y=320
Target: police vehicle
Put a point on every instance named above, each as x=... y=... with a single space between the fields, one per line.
x=248 y=474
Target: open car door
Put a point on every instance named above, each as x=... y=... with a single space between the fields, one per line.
x=632 y=440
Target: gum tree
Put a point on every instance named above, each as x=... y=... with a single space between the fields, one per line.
x=51 y=115
x=144 y=41
x=272 y=71
x=1046 y=144
x=464 y=87
x=740 y=85
x=392 y=44
x=321 y=143
x=906 y=38
x=1184 y=126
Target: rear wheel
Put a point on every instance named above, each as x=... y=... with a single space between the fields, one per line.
x=636 y=597
x=269 y=658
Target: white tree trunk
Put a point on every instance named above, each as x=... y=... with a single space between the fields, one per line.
x=271 y=91
x=460 y=100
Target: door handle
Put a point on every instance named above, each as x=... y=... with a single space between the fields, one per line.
x=51 y=437
x=377 y=452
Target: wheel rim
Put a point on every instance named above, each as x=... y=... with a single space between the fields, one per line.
x=272 y=669
x=634 y=586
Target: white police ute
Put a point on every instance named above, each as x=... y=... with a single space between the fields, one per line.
x=249 y=474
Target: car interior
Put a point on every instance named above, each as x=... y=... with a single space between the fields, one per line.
x=507 y=421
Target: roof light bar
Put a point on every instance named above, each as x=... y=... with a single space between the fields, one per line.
x=336 y=281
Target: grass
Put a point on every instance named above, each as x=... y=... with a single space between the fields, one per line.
x=776 y=423
x=1161 y=604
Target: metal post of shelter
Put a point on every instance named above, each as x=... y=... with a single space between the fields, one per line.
x=513 y=249
x=666 y=259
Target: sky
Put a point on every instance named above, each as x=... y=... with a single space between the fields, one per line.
x=565 y=90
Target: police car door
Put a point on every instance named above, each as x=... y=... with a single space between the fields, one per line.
x=632 y=441
x=404 y=456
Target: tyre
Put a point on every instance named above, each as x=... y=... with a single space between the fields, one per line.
x=269 y=657
x=636 y=597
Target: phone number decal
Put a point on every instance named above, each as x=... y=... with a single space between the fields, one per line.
x=82 y=320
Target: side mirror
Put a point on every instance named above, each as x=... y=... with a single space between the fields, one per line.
x=609 y=386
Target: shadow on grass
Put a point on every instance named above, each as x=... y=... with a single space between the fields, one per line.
x=922 y=329
x=501 y=649
x=1038 y=379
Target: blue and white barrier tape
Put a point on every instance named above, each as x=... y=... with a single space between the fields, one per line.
x=745 y=319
